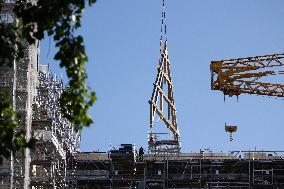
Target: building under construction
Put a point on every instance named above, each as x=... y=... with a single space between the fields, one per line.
x=56 y=162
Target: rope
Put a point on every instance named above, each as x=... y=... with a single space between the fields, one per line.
x=163 y=25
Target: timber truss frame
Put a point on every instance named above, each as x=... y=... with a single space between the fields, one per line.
x=237 y=76
x=162 y=103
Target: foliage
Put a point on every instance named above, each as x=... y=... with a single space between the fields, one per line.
x=13 y=47
x=9 y=121
x=59 y=19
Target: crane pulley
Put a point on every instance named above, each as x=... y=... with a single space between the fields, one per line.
x=243 y=75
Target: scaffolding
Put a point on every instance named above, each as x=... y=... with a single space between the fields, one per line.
x=20 y=84
x=35 y=91
x=206 y=169
x=19 y=81
x=52 y=160
x=93 y=170
x=51 y=164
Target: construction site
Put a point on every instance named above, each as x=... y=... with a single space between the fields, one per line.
x=56 y=160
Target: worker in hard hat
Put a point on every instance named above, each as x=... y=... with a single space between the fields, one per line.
x=141 y=154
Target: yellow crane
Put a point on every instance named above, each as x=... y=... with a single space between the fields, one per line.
x=242 y=75
x=249 y=75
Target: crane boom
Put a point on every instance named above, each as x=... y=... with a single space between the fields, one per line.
x=237 y=76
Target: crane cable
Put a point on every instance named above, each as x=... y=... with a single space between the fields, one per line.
x=163 y=26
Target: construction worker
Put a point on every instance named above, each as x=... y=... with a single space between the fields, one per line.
x=141 y=153
x=151 y=139
x=136 y=155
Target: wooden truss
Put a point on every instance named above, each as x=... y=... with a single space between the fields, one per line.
x=237 y=76
x=162 y=103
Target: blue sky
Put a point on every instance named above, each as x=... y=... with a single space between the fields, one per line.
x=122 y=41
